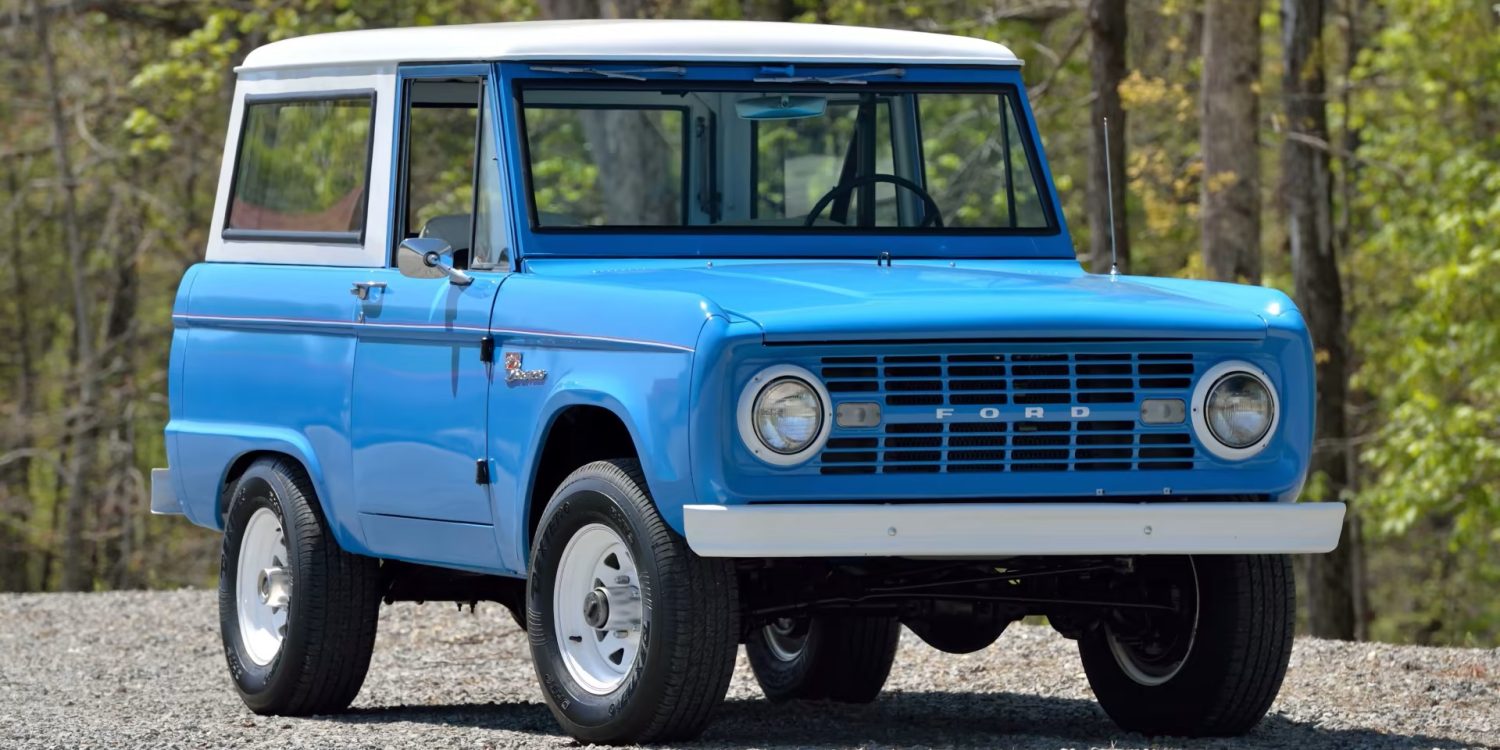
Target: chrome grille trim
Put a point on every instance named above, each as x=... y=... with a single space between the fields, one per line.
x=910 y=388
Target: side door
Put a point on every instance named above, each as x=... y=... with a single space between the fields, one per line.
x=421 y=383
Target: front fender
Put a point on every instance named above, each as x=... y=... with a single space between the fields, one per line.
x=645 y=391
x=638 y=366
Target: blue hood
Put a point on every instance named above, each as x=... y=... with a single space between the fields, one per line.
x=848 y=300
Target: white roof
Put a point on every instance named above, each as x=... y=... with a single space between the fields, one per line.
x=676 y=41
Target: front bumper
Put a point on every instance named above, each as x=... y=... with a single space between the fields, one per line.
x=1012 y=529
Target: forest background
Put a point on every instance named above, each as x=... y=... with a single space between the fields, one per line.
x=1345 y=151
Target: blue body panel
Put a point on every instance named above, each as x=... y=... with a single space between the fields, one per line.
x=418 y=417
x=388 y=406
x=266 y=355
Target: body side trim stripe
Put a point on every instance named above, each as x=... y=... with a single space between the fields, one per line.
x=257 y=320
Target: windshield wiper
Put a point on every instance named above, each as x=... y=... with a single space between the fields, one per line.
x=790 y=76
x=629 y=75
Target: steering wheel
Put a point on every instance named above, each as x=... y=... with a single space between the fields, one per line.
x=931 y=214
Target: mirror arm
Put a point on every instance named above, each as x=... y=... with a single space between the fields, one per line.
x=455 y=276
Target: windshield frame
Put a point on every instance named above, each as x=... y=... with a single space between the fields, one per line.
x=729 y=240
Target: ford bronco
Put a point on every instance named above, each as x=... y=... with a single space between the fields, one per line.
x=675 y=336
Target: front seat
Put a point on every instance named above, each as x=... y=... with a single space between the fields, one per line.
x=455 y=230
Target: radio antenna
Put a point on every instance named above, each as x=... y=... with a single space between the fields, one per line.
x=1109 y=186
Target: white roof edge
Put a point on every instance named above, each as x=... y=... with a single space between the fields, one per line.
x=602 y=40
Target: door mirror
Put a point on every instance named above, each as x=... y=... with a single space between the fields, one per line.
x=429 y=258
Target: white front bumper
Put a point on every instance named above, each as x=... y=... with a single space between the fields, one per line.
x=1003 y=530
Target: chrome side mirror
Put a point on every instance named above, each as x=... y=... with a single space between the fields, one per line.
x=429 y=258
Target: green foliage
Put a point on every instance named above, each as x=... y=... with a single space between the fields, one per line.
x=1429 y=324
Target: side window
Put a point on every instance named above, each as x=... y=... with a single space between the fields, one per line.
x=489 y=234
x=450 y=185
x=302 y=169
x=1028 y=211
x=978 y=168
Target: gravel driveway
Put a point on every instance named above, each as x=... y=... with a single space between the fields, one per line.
x=139 y=669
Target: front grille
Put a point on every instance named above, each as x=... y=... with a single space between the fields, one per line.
x=1016 y=412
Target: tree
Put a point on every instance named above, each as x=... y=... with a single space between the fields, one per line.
x=1230 y=140
x=1425 y=301
x=81 y=433
x=1308 y=194
x=1106 y=23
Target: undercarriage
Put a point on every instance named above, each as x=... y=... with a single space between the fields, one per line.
x=962 y=606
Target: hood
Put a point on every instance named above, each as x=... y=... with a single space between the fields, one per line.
x=851 y=301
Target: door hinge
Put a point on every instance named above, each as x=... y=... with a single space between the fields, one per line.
x=482 y=471
x=487 y=349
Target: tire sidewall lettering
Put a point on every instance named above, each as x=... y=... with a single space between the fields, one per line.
x=252 y=678
x=590 y=500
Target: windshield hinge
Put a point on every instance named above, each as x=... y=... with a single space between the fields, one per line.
x=884 y=259
x=487 y=349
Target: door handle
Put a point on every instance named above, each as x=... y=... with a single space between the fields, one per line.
x=362 y=289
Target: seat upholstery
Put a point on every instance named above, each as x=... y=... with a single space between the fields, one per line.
x=451 y=228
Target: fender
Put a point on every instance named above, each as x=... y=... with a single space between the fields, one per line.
x=212 y=448
x=661 y=444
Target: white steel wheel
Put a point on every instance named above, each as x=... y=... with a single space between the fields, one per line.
x=1207 y=665
x=597 y=609
x=1156 y=658
x=783 y=641
x=263 y=582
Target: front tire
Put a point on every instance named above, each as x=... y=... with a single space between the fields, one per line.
x=1212 y=667
x=633 y=636
x=297 y=613
x=845 y=659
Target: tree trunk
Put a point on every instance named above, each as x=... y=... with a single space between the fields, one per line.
x=1308 y=192
x=15 y=477
x=1106 y=19
x=1357 y=399
x=1230 y=140
x=75 y=574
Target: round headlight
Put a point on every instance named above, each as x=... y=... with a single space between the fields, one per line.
x=788 y=415
x=1239 y=410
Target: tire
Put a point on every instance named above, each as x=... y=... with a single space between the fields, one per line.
x=1244 y=611
x=644 y=666
x=845 y=659
x=311 y=655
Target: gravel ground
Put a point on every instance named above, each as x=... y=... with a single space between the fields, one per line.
x=139 y=669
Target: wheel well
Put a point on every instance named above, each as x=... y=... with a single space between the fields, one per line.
x=238 y=469
x=580 y=435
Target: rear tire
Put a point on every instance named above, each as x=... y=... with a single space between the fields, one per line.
x=618 y=665
x=1214 y=670
x=845 y=659
x=297 y=613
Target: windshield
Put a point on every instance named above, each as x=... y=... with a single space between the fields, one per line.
x=809 y=158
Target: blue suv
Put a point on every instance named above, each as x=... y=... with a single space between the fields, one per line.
x=675 y=336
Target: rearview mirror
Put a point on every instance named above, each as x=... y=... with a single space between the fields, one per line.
x=429 y=258
x=781 y=107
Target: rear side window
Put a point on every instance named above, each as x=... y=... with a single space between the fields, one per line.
x=303 y=169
